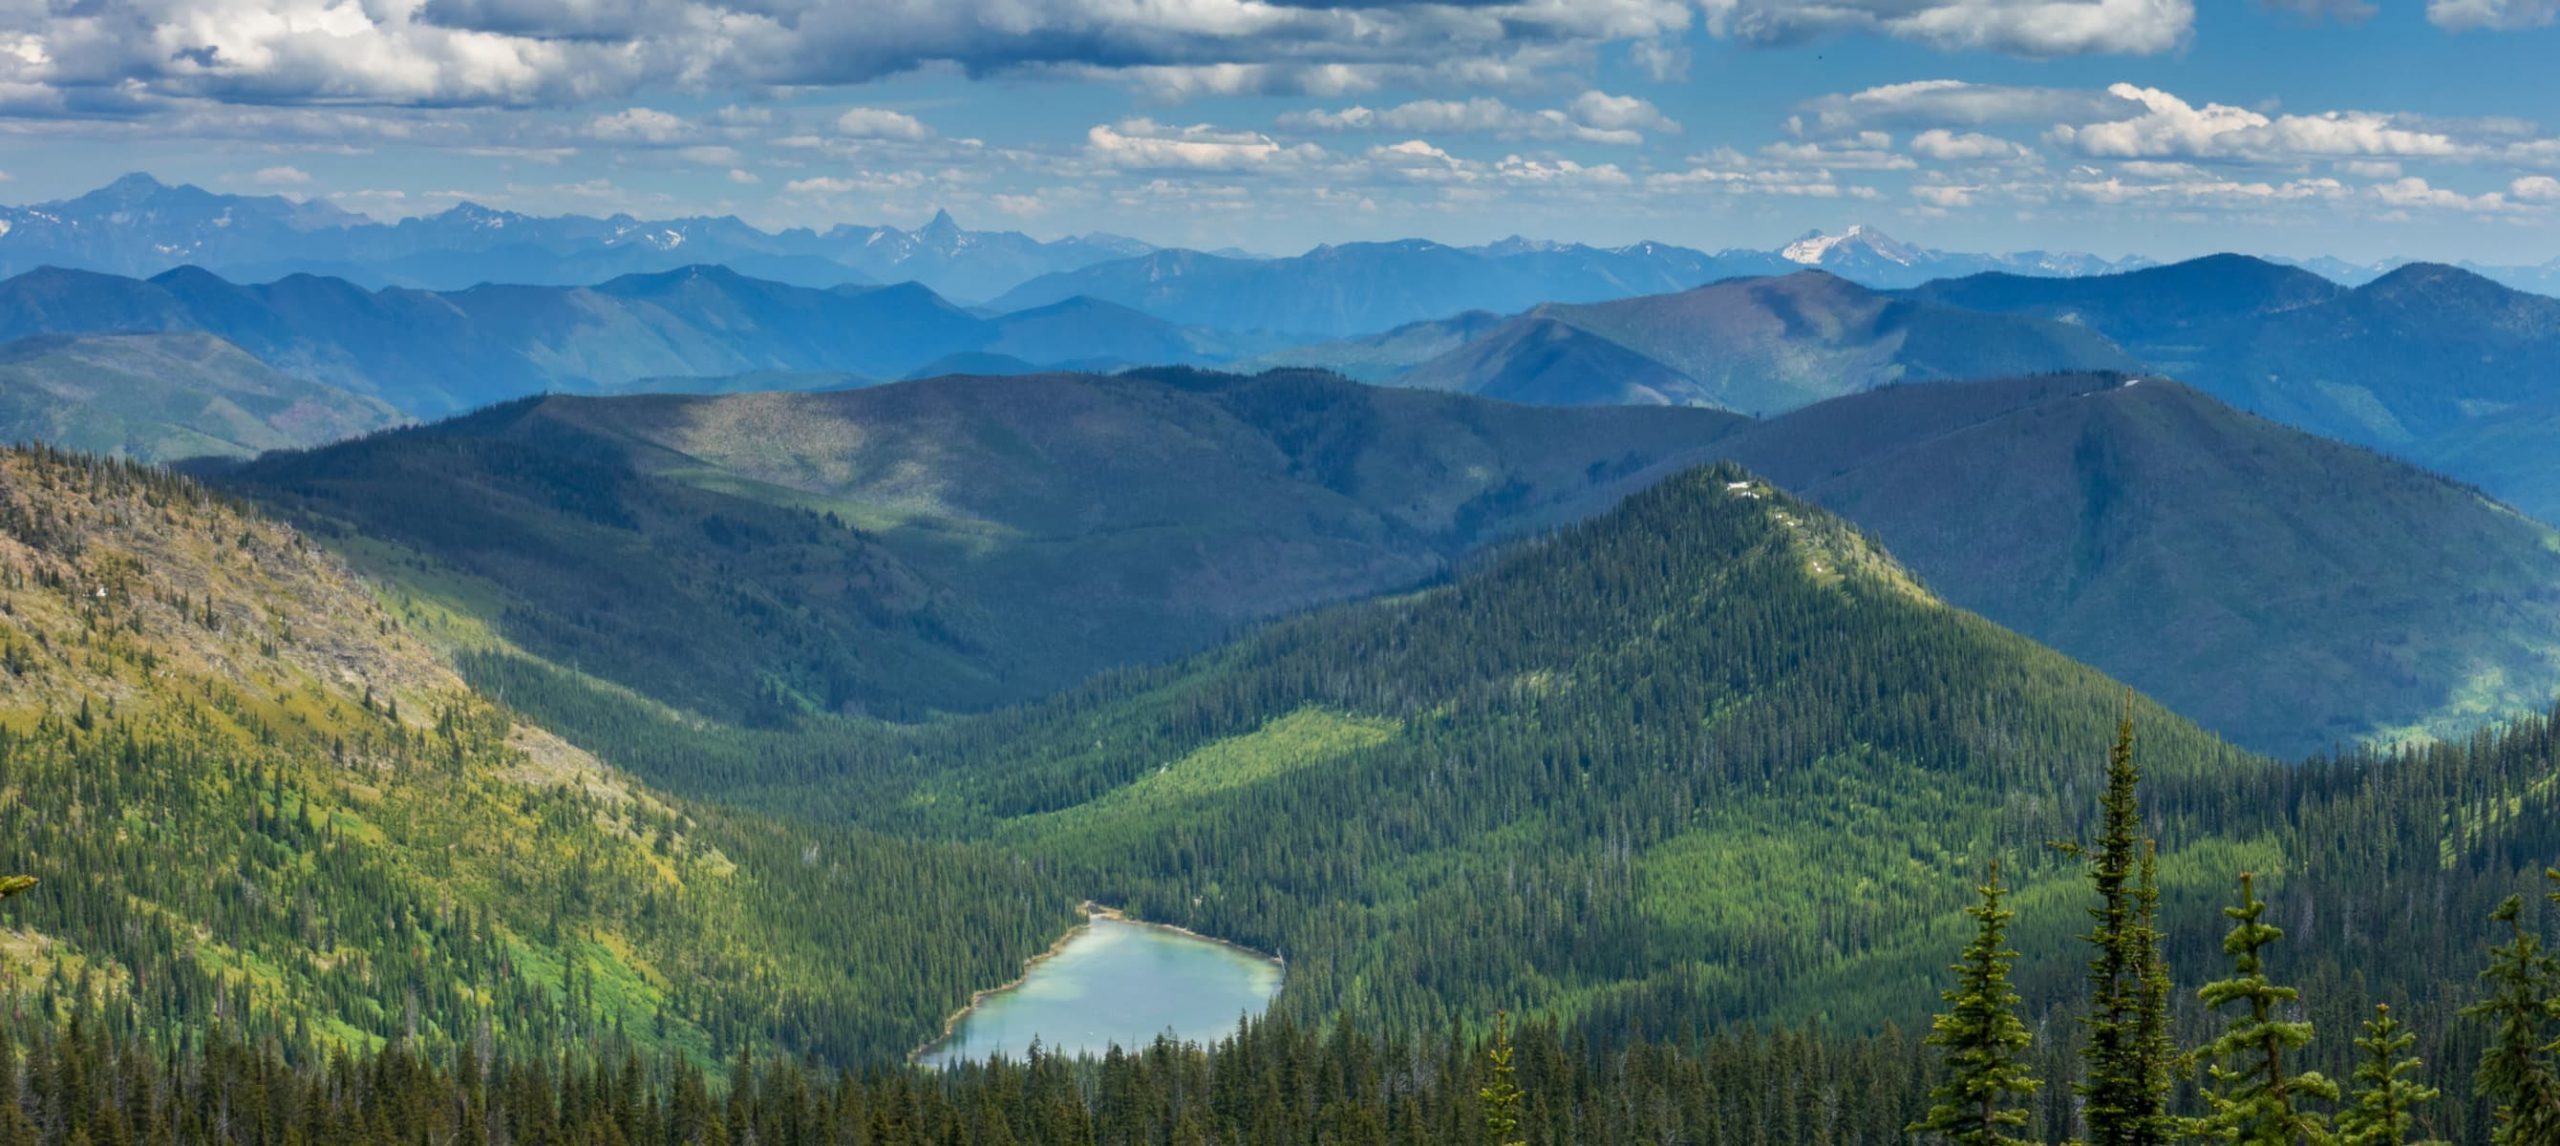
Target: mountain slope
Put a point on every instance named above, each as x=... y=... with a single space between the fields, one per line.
x=953 y=543
x=1772 y=344
x=2289 y=592
x=256 y=801
x=1682 y=761
x=161 y=397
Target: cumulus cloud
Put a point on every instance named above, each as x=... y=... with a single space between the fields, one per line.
x=2535 y=189
x=2172 y=127
x=2492 y=15
x=1592 y=117
x=280 y=177
x=880 y=123
x=2018 y=27
x=516 y=52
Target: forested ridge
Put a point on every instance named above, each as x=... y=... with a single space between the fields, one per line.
x=1700 y=785
x=252 y=800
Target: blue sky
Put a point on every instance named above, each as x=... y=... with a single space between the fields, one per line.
x=2426 y=128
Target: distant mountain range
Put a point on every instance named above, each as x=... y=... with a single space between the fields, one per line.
x=2432 y=363
x=139 y=226
x=436 y=353
x=1360 y=288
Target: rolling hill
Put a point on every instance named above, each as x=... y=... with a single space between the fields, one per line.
x=1754 y=345
x=950 y=544
x=2291 y=593
x=163 y=397
x=431 y=354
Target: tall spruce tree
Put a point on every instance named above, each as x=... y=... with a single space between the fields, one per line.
x=2125 y=1081
x=2255 y=1100
x=1984 y=1044
x=2517 y=1071
x=2384 y=1108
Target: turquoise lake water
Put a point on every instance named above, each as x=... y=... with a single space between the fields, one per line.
x=1117 y=982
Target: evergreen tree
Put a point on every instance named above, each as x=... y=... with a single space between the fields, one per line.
x=2155 y=1050
x=2516 y=1071
x=2382 y=1113
x=1985 y=1046
x=1501 y=1093
x=2126 y=1079
x=2255 y=1099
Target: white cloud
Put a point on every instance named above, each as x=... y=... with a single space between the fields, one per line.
x=640 y=125
x=281 y=177
x=743 y=177
x=2416 y=192
x=1936 y=103
x=2343 y=11
x=2535 y=189
x=1945 y=196
x=2203 y=191
x=880 y=123
x=1592 y=117
x=1971 y=146
x=711 y=155
x=2018 y=27
x=1865 y=151
x=1145 y=144
x=2171 y=126
x=2492 y=15
x=522 y=52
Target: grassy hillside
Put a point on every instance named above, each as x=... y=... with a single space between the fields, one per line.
x=252 y=796
x=1761 y=345
x=162 y=397
x=2290 y=592
x=951 y=544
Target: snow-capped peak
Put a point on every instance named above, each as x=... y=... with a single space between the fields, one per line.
x=1817 y=249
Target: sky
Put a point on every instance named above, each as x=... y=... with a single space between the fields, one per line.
x=2361 y=129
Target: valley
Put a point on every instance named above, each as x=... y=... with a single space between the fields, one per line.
x=508 y=678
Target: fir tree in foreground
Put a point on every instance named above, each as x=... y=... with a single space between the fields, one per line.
x=1501 y=1093
x=2517 y=1070
x=2127 y=1079
x=2254 y=1100
x=1984 y=1043
x=2383 y=1111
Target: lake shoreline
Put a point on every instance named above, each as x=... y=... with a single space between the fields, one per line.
x=1092 y=911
